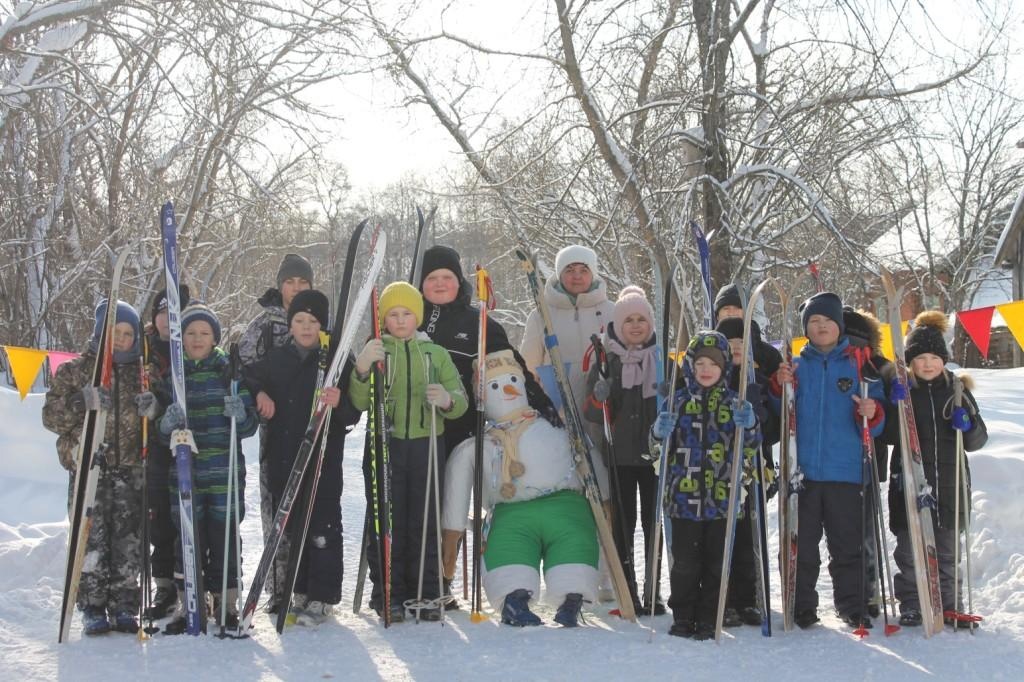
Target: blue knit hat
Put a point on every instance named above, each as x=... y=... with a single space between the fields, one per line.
x=125 y=313
x=823 y=303
x=200 y=311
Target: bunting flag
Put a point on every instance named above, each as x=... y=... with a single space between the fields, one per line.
x=886 y=340
x=978 y=325
x=58 y=358
x=1013 y=315
x=25 y=364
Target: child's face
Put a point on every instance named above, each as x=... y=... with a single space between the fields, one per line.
x=400 y=322
x=727 y=311
x=822 y=331
x=927 y=366
x=124 y=337
x=198 y=340
x=163 y=329
x=292 y=286
x=706 y=371
x=736 y=346
x=636 y=329
x=305 y=329
x=441 y=286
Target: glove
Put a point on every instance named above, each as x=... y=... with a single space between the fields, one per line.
x=961 y=420
x=92 y=398
x=663 y=425
x=898 y=391
x=602 y=390
x=743 y=414
x=234 y=408
x=174 y=418
x=146 y=405
x=770 y=482
x=371 y=353
x=438 y=396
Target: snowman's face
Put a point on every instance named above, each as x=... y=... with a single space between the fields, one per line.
x=504 y=394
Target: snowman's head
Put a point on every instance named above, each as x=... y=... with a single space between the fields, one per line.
x=505 y=385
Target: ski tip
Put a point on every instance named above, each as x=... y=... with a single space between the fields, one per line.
x=477 y=617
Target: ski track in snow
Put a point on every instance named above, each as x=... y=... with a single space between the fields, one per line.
x=33 y=533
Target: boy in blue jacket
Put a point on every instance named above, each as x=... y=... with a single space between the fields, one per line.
x=829 y=412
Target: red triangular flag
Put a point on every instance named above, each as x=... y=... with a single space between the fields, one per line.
x=978 y=325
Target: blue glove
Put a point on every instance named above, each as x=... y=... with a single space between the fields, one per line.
x=898 y=391
x=234 y=408
x=174 y=418
x=663 y=425
x=743 y=414
x=961 y=420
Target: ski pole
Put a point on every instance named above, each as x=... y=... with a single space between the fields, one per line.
x=144 y=601
x=865 y=472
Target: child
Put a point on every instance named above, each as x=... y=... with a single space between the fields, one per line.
x=286 y=385
x=210 y=410
x=741 y=605
x=109 y=584
x=419 y=374
x=829 y=411
x=937 y=419
x=630 y=388
x=703 y=429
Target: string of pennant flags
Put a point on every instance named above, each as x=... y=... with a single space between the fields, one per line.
x=25 y=363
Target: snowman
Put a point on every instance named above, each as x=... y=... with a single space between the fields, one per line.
x=536 y=511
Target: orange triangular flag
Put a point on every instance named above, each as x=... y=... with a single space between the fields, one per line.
x=25 y=364
x=1013 y=315
x=978 y=325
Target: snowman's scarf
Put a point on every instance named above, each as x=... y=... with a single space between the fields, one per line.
x=507 y=433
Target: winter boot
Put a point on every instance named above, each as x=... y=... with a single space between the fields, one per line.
x=299 y=602
x=397 y=613
x=164 y=601
x=683 y=628
x=231 y=614
x=124 y=620
x=750 y=615
x=806 y=618
x=704 y=631
x=516 y=610
x=315 y=613
x=731 y=618
x=453 y=603
x=856 y=619
x=568 y=614
x=911 y=618
x=94 y=620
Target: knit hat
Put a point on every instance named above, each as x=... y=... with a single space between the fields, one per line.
x=294 y=265
x=728 y=295
x=926 y=336
x=437 y=257
x=160 y=300
x=575 y=253
x=631 y=301
x=823 y=303
x=732 y=328
x=125 y=313
x=711 y=344
x=313 y=302
x=862 y=328
x=401 y=294
x=500 y=362
x=200 y=311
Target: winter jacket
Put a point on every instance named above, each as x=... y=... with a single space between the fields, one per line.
x=631 y=414
x=268 y=330
x=933 y=407
x=455 y=327
x=289 y=378
x=64 y=416
x=828 y=428
x=207 y=382
x=701 y=446
x=880 y=368
x=406 y=382
x=758 y=395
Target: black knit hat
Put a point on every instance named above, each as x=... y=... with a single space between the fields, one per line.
x=728 y=295
x=732 y=328
x=160 y=300
x=313 y=302
x=437 y=257
x=926 y=336
x=294 y=265
x=823 y=303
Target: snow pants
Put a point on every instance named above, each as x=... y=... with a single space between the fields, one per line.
x=163 y=534
x=905 y=582
x=633 y=480
x=696 y=575
x=835 y=509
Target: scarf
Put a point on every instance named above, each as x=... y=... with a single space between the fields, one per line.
x=507 y=433
x=637 y=366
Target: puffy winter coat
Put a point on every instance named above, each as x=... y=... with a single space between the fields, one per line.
x=406 y=381
x=267 y=330
x=64 y=416
x=933 y=407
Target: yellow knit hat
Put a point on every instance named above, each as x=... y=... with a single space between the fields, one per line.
x=400 y=294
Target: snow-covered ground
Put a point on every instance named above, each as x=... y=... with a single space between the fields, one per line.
x=33 y=531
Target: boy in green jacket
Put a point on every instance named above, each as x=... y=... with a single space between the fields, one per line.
x=418 y=374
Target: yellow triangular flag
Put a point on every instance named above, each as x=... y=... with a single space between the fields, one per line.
x=798 y=343
x=1013 y=315
x=25 y=364
x=886 y=338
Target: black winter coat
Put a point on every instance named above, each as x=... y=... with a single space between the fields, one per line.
x=933 y=406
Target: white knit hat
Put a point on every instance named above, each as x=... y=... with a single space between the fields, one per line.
x=575 y=253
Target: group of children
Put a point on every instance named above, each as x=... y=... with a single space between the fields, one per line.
x=283 y=354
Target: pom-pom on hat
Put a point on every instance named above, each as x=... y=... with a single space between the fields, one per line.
x=439 y=256
x=927 y=336
x=401 y=294
x=313 y=302
x=200 y=311
x=823 y=303
x=294 y=265
x=631 y=301
x=575 y=253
